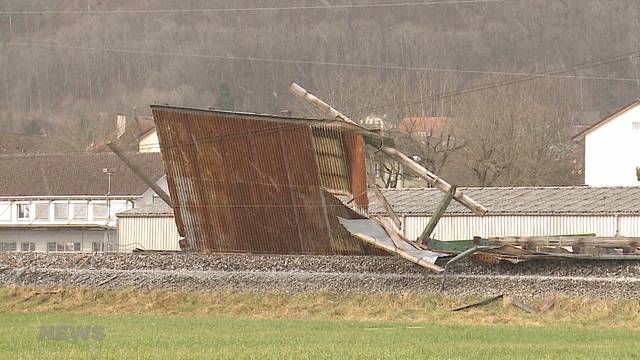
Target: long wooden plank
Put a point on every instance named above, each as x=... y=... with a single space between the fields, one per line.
x=407 y=162
x=150 y=183
x=400 y=241
x=604 y=242
x=435 y=218
x=387 y=206
x=434 y=180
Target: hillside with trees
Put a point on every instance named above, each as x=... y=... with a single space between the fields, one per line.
x=67 y=68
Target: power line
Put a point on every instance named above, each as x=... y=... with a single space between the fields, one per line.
x=498 y=84
x=319 y=63
x=222 y=10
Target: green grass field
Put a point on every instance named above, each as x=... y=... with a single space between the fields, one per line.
x=184 y=337
x=196 y=325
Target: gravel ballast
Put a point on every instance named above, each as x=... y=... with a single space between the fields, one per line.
x=339 y=274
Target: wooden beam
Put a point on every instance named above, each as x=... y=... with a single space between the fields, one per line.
x=435 y=218
x=150 y=183
x=387 y=206
x=603 y=242
x=372 y=138
x=398 y=239
x=408 y=163
x=394 y=250
x=434 y=180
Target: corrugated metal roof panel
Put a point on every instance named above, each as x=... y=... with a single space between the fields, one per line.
x=254 y=184
x=570 y=200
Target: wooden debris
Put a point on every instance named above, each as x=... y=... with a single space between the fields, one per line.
x=378 y=194
x=435 y=218
x=84 y=261
x=414 y=259
x=520 y=304
x=136 y=170
x=566 y=241
x=398 y=239
x=548 y=304
x=393 y=153
x=480 y=303
x=48 y=292
x=108 y=280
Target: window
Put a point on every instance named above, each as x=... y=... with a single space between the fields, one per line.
x=61 y=211
x=42 y=211
x=5 y=211
x=24 y=211
x=68 y=246
x=100 y=211
x=28 y=246
x=97 y=247
x=8 y=246
x=635 y=126
x=80 y=211
x=111 y=247
x=157 y=200
x=52 y=246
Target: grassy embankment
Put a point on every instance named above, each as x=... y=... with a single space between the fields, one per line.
x=177 y=325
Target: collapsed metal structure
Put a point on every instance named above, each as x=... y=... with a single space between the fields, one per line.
x=262 y=184
x=265 y=184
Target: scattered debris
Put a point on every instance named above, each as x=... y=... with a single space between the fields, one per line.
x=548 y=304
x=374 y=234
x=48 y=292
x=461 y=256
x=108 y=280
x=84 y=261
x=480 y=303
x=520 y=304
x=507 y=300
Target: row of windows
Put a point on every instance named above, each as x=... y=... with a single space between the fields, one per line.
x=12 y=246
x=60 y=211
x=56 y=246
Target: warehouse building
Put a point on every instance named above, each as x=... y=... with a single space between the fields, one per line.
x=520 y=211
x=148 y=228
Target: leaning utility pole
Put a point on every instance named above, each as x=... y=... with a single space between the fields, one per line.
x=407 y=162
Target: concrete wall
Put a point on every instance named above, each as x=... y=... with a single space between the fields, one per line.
x=40 y=238
x=612 y=151
x=466 y=227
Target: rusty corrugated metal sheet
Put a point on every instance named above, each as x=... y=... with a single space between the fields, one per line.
x=256 y=184
x=355 y=156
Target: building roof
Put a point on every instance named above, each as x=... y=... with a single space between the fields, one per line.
x=606 y=119
x=75 y=174
x=159 y=210
x=577 y=200
x=136 y=128
x=19 y=144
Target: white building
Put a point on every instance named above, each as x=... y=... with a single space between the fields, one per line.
x=149 y=228
x=612 y=149
x=519 y=211
x=68 y=202
x=136 y=134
